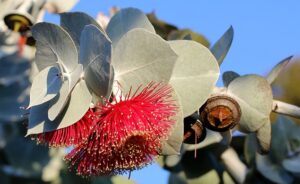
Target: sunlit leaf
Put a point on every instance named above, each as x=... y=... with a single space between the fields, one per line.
x=195 y=74
x=45 y=85
x=254 y=95
x=126 y=20
x=272 y=75
x=173 y=144
x=57 y=105
x=263 y=136
x=55 y=6
x=228 y=77
x=222 y=46
x=74 y=23
x=142 y=57
x=76 y=108
x=54 y=45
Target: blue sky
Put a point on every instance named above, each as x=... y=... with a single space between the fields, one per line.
x=265 y=32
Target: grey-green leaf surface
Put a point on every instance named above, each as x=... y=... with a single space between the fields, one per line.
x=254 y=95
x=273 y=172
x=222 y=46
x=13 y=69
x=142 y=57
x=263 y=137
x=228 y=77
x=292 y=164
x=74 y=23
x=54 y=45
x=94 y=44
x=76 y=108
x=272 y=75
x=173 y=144
x=45 y=86
x=12 y=98
x=58 y=104
x=126 y=20
x=195 y=74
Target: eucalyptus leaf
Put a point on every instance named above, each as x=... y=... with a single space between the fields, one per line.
x=222 y=46
x=74 y=23
x=77 y=106
x=54 y=45
x=126 y=20
x=183 y=33
x=12 y=98
x=254 y=95
x=173 y=144
x=58 y=104
x=228 y=77
x=45 y=86
x=273 y=172
x=141 y=57
x=272 y=75
x=263 y=136
x=94 y=44
x=55 y=6
x=195 y=74
x=13 y=69
x=31 y=160
x=292 y=164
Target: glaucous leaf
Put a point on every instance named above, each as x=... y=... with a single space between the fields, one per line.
x=222 y=46
x=126 y=20
x=263 y=137
x=77 y=106
x=94 y=44
x=26 y=157
x=173 y=144
x=13 y=69
x=59 y=102
x=45 y=85
x=273 y=172
x=254 y=95
x=141 y=57
x=292 y=164
x=194 y=76
x=74 y=23
x=54 y=45
x=12 y=98
x=229 y=76
x=272 y=75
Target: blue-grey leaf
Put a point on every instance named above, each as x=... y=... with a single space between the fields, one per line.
x=229 y=76
x=126 y=20
x=54 y=45
x=195 y=74
x=45 y=86
x=75 y=109
x=74 y=23
x=94 y=44
x=13 y=68
x=142 y=57
x=254 y=95
x=222 y=46
x=12 y=99
x=272 y=75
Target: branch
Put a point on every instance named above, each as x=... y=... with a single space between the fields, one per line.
x=286 y=109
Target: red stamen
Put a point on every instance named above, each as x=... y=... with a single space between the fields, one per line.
x=128 y=133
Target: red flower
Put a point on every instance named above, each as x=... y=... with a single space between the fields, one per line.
x=71 y=135
x=128 y=132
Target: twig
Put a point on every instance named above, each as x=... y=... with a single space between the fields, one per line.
x=286 y=109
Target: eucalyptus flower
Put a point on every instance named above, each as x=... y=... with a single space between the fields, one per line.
x=122 y=99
